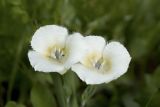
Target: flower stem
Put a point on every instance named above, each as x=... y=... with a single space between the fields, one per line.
x=59 y=91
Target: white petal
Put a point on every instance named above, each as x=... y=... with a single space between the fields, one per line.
x=95 y=43
x=48 y=36
x=75 y=46
x=41 y=63
x=119 y=57
x=120 y=61
x=90 y=76
x=94 y=48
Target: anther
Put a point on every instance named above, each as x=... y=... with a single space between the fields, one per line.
x=57 y=54
x=98 y=64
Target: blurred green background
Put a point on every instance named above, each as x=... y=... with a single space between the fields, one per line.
x=135 y=23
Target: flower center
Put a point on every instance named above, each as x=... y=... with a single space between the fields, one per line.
x=56 y=53
x=98 y=64
x=103 y=65
x=93 y=60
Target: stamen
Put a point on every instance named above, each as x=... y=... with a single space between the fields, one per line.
x=59 y=50
x=62 y=53
x=57 y=54
x=98 y=64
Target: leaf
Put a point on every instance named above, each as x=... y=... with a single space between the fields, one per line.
x=129 y=101
x=41 y=96
x=13 y=104
x=156 y=77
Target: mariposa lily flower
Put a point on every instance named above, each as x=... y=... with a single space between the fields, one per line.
x=54 y=50
x=102 y=62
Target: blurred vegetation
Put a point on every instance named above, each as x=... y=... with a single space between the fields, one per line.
x=135 y=23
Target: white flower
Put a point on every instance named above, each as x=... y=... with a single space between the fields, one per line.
x=102 y=63
x=54 y=50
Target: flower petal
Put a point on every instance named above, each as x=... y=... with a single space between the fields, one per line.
x=90 y=76
x=95 y=43
x=94 y=48
x=47 y=36
x=41 y=63
x=76 y=47
x=119 y=57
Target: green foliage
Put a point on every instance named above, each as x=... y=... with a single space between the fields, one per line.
x=41 y=96
x=13 y=104
x=135 y=23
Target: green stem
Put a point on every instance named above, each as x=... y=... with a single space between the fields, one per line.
x=87 y=94
x=59 y=91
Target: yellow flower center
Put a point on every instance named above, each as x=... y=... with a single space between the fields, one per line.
x=57 y=53
x=97 y=62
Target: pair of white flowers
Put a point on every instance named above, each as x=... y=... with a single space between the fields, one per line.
x=90 y=57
